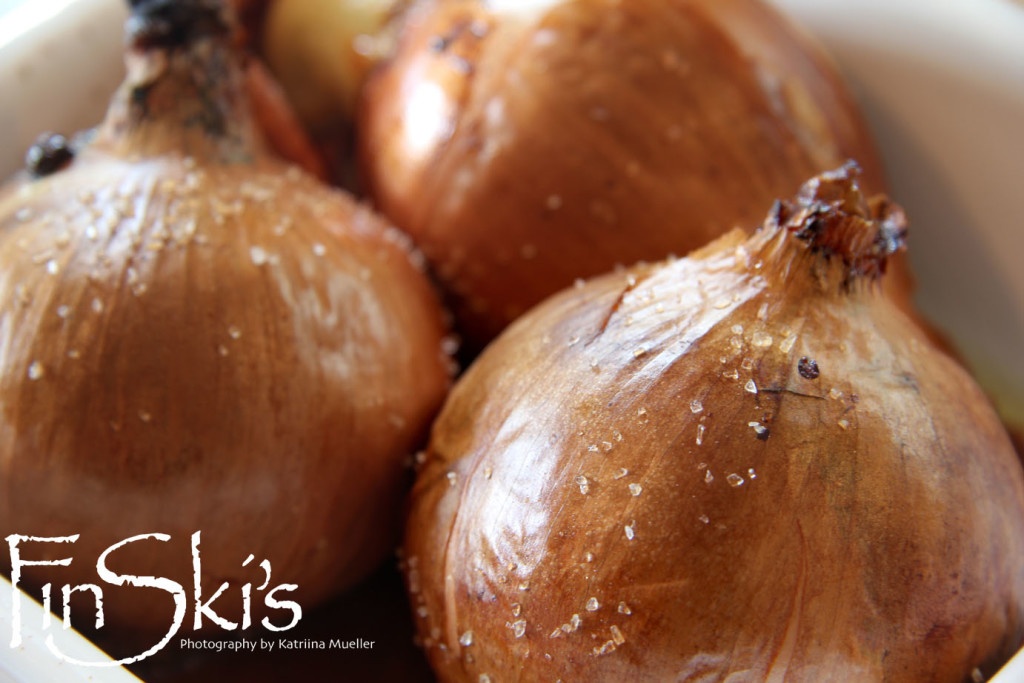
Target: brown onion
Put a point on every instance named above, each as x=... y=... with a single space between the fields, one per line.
x=196 y=336
x=525 y=148
x=745 y=464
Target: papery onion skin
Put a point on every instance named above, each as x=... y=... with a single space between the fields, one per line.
x=279 y=123
x=522 y=152
x=195 y=336
x=322 y=50
x=637 y=482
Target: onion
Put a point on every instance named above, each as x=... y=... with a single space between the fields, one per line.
x=196 y=336
x=321 y=50
x=744 y=464
x=276 y=118
x=523 y=145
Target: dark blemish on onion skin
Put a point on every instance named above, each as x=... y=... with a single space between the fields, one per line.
x=140 y=95
x=50 y=153
x=439 y=43
x=808 y=368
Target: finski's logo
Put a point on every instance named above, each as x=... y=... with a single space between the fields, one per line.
x=176 y=590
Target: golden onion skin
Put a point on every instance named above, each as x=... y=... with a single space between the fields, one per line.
x=321 y=51
x=524 y=150
x=646 y=478
x=195 y=336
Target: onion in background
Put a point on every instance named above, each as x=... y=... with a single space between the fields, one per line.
x=525 y=145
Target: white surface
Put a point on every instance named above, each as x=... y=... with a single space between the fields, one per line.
x=1013 y=672
x=60 y=60
x=941 y=81
x=32 y=661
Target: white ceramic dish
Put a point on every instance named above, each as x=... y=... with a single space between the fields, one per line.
x=941 y=82
x=31 y=659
